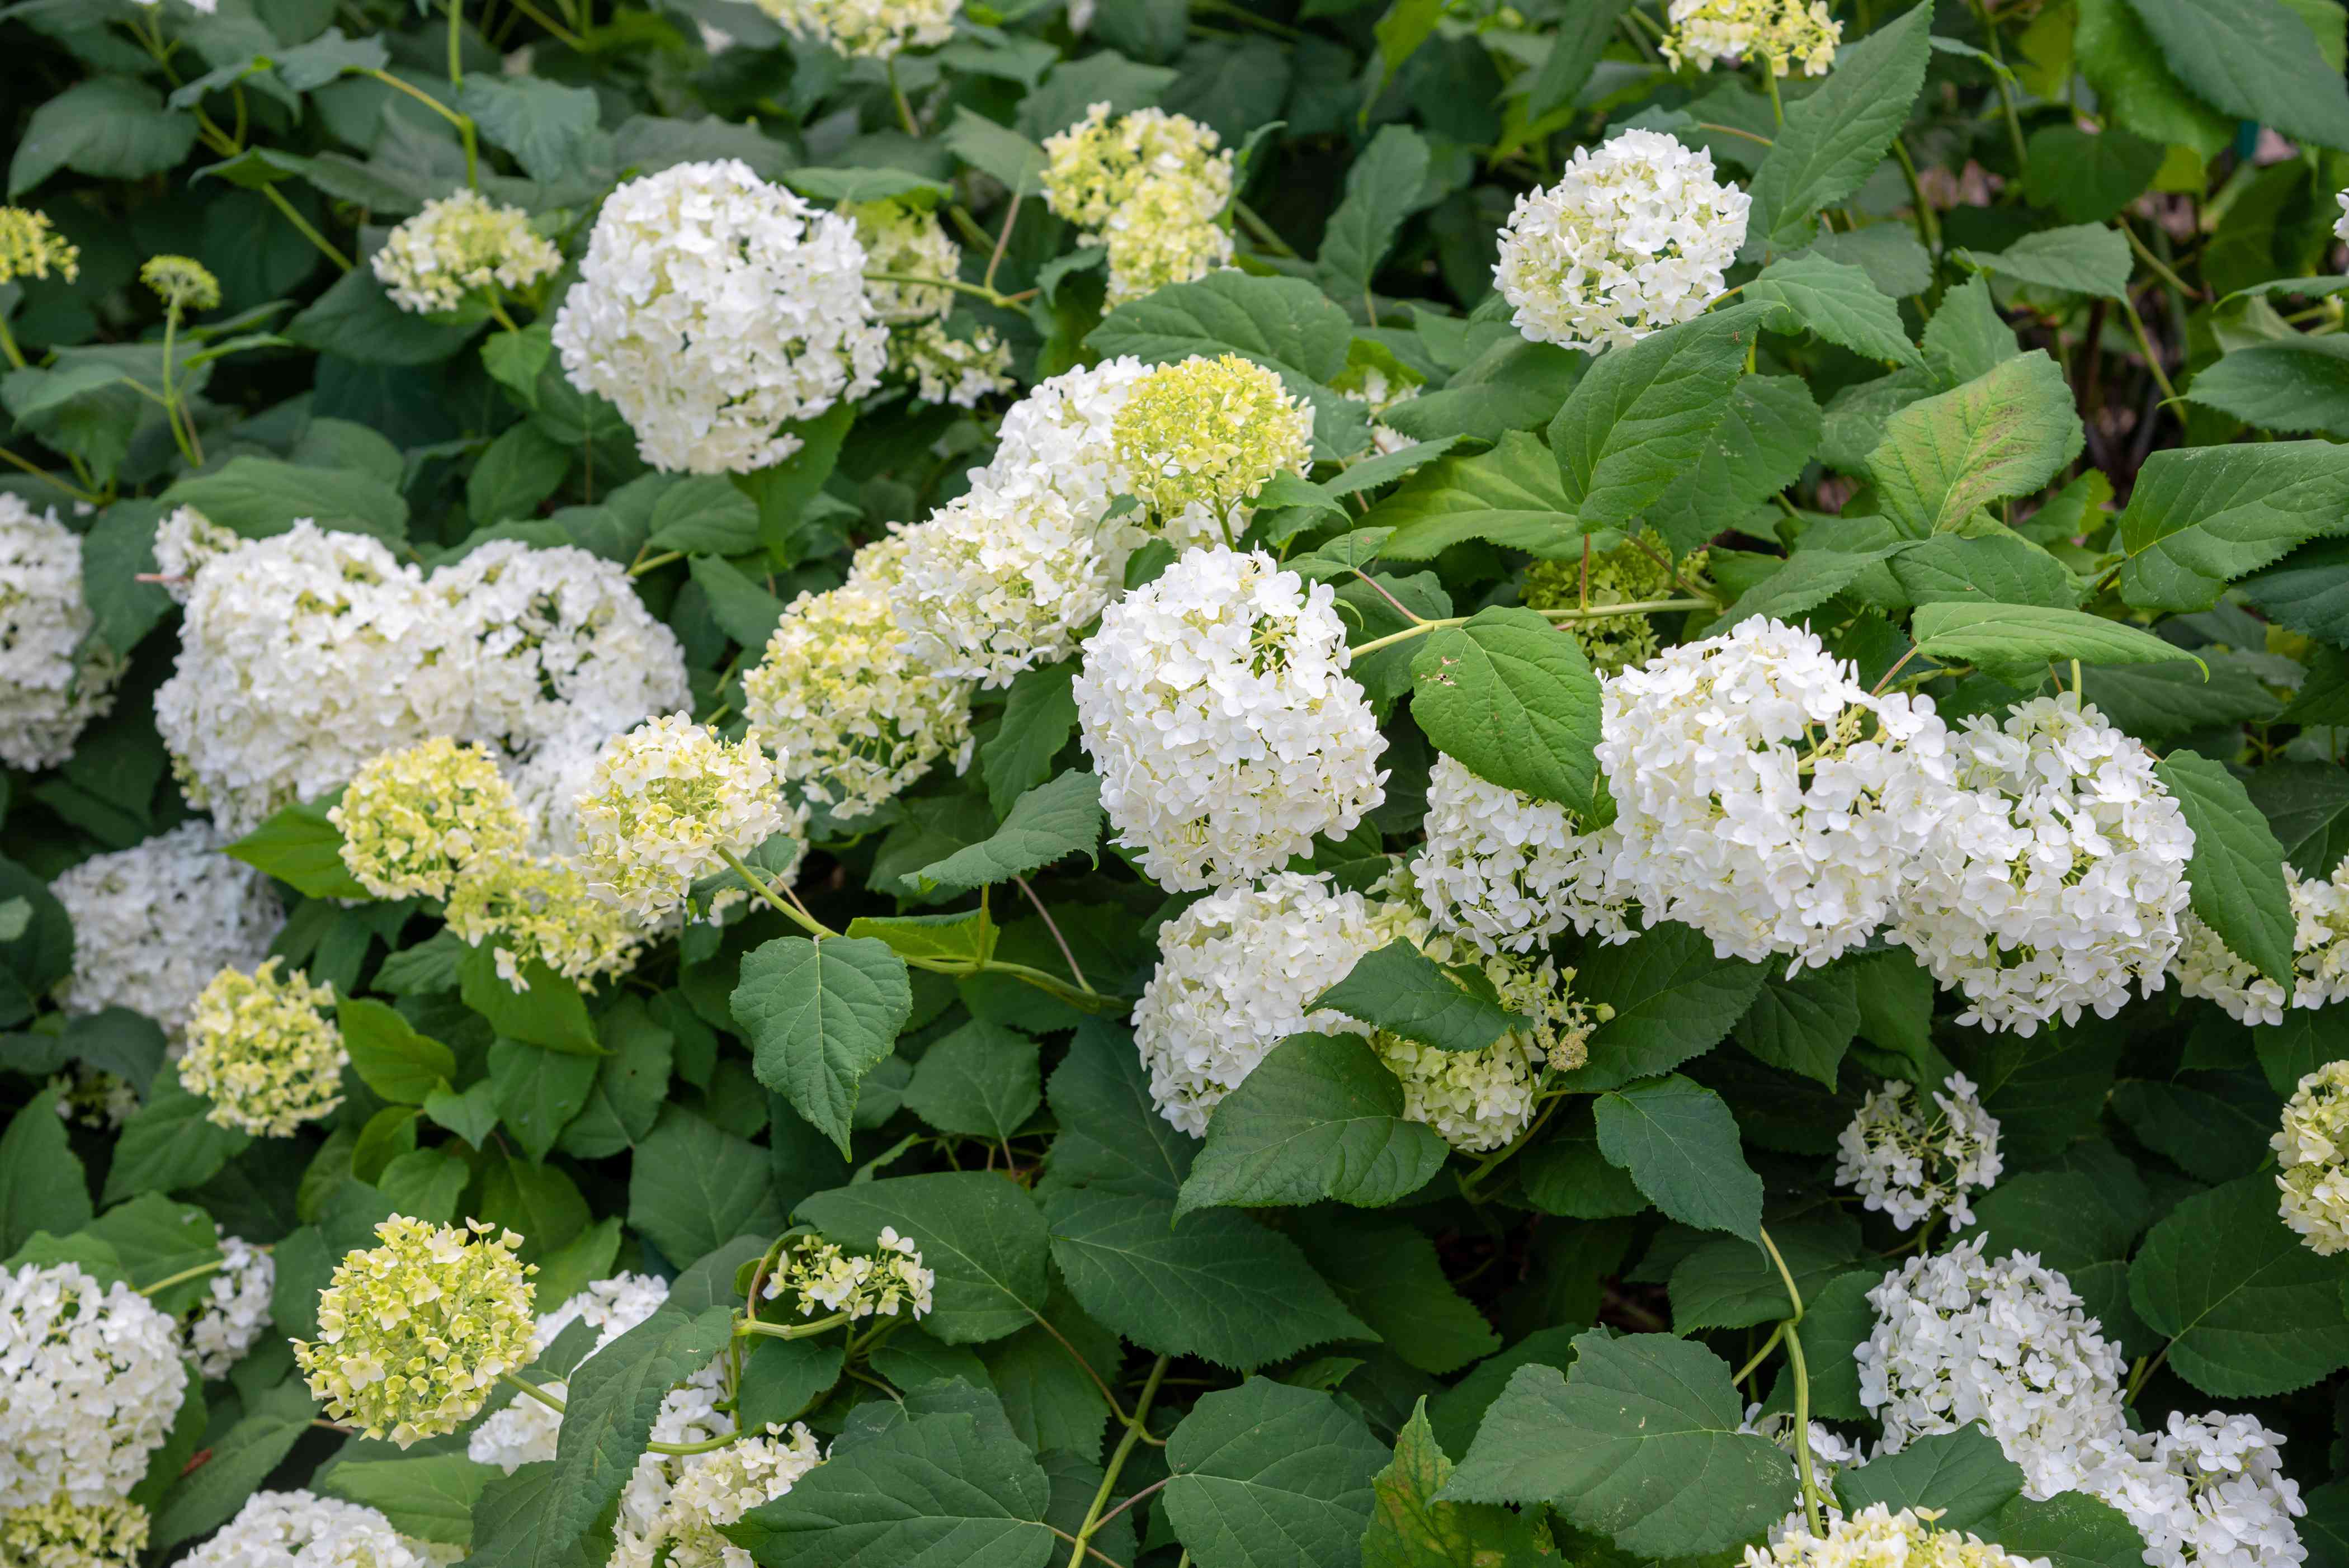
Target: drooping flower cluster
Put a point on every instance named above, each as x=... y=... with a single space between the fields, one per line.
x=2207 y=967
x=1916 y=1168
x=31 y=247
x=61 y=1533
x=2208 y=1492
x=1199 y=439
x=235 y=1308
x=902 y=240
x=2057 y=875
x=525 y=1431
x=414 y=1333
x=153 y=923
x=54 y=678
x=2312 y=1147
x=1764 y=797
x=302 y=1530
x=90 y=1382
x=1505 y=871
x=823 y=1279
x=263 y=1053
x=669 y=802
x=1637 y=571
x=1151 y=186
x=875 y=29
x=413 y=821
x=1876 y=1537
x=461 y=244
x=1634 y=237
x=712 y=309
x=1780 y=33
x=1959 y=1339
x=1216 y=706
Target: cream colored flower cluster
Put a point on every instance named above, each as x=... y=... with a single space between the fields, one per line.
x=414 y=1333
x=1505 y=871
x=902 y=240
x=672 y=1506
x=235 y=1308
x=461 y=245
x=91 y=1381
x=414 y=822
x=302 y=1530
x=2311 y=1147
x=62 y=1533
x=875 y=29
x=1876 y=1537
x=184 y=541
x=54 y=677
x=669 y=802
x=2207 y=967
x=1780 y=33
x=263 y=1053
x=1197 y=440
x=823 y=1278
x=1151 y=187
x=527 y=908
x=31 y=247
x=1915 y=1167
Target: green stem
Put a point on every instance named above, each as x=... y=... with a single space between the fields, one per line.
x=1777 y=1332
x=15 y=355
x=2005 y=92
x=183 y=1276
x=183 y=430
x=1117 y=1461
x=898 y=95
x=1802 y=1390
x=978 y=291
x=2144 y=346
x=40 y=473
x=1596 y=613
x=1928 y=222
x=1777 y=108
x=547 y=22
x=653 y=562
x=807 y=1330
x=2160 y=268
x=463 y=122
x=302 y=226
x=456 y=58
x=1262 y=230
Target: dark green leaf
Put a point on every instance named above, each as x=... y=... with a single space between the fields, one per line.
x=1319 y=1117
x=820 y=1016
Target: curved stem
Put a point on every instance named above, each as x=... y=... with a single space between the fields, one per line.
x=168 y=1281
x=1777 y=1332
x=978 y=291
x=535 y=1392
x=40 y=473
x=1596 y=613
x=1117 y=1461
x=1803 y=1461
x=898 y=95
x=807 y=1330
x=8 y=349
x=655 y=561
x=302 y=226
x=464 y=123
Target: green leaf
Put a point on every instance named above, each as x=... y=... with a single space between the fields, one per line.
x=1267 y=1475
x=981 y=1235
x=1804 y=1025
x=300 y=848
x=1382 y=189
x=1388 y=1274
x=1731 y=1283
x=520 y=469
x=1835 y=1319
x=780 y=1377
x=2308 y=805
x=1039 y=714
x=311 y=66
x=550 y=130
x=2237 y=872
x=2248 y=1309
x=538 y=1092
x=2256 y=60
x=471 y=1115
x=2294 y=384
x=429 y=1496
x=551 y=1013
x=996 y=149
x=1400 y=990
x=1510 y=495
x=935 y=1492
x=1641 y=1443
x=1566 y=1174
x=2003 y=434
x=2070 y=1529
x=631 y=1084
x=1963 y=1473
x=260 y=497
x=1512 y=699
x=693 y=1187
x=2309 y=592
x=2087 y=259
x=2201 y=517
x=242 y=1457
x=1048 y=824
x=42 y=1184
x=2088 y=176
x=981 y=1081
x=1761 y=445
x=1680 y=1143
x=1838 y=302
x=848 y=186
x=355 y=320
x=1995 y=568
x=1672 y=998
x=388 y=1054
x=1639 y=416
x=111 y=128
x=1215 y=1284
x=706 y=514
x=969 y=937
x=167 y=1146
x=1111 y=1138
x=2017 y=642
x=822 y=1014
x=1319 y=1117
x=1412 y=1528
x=743 y=610
x=1835 y=138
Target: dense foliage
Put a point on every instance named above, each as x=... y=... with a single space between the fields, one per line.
x=1165 y=782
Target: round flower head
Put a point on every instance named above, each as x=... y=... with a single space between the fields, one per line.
x=714 y=308
x=669 y=802
x=1505 y=871
x=54 y=678
x=263 y=1053
x=1633 y=238
x=182 y=282
x=1216 y=706
x=1764 y=797
x=235 y=1307
x=820 y=1278
x=854 y=719
x=301 y=1530
x=1479 y=1100
x=154 y=922
x=527 y=1431
x=414 y=1333
x=90 y=1382
x=461 y=244
x=1960 y=1340
x=2206 y=1491
x=531 y=911
x=412 y=820
x=2312 y=1147
x=904 y=242
x=61 y=1533
x=2205 y=966
x=184 y=541
x=728 y=1485
x=1062 y=437
x=31 y=247
x=1200 y=438
x=2057 y=875
x=875 y=29
x=1915 y=1167
x=1876 y=1537
x=1150 y=186
x=1634 y=572
x=1780 y=33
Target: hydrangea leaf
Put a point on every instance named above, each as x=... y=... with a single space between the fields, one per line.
x=1680 y=1143
x=981 y=1081
x=242 y=1457
x=1512 y=699
x=1400 y=990
x=1963 y=1473
x=168 y=1146
x=2237 y=872
x=1267 y=1474
x=1835 y=138
x=2255 y=59
x=2201 y=517
x=1039 y=715
x=1732 y=1284
x=1320 y=1117
x=2004 y=433
x=981 y=1236
x=1412 y=1528
x=2087 y=258
x=429 y=1496
x=300 y=848
x=2248 y=1308
x=1839 y=302
x=42 y=1184
x=1111 y=1138
x=1048 y=824
x=2015 y=642
x=1510 y=495
x=1672 y=998
x=693 y=1186
x=1382 y=189
x=2070 y=1529
x=1389 y=1274
x=821 y=1016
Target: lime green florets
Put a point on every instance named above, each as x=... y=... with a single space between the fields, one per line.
x=541 y=909
x=411 y=821
x=61 y=1533
x=182 y=282
x=31 y=248
x=261 y=1051
x=459 y=245
x=1151 y=187
x=905 y=243
x=1208 y=434
x=1624 y=575
x=414 y=1334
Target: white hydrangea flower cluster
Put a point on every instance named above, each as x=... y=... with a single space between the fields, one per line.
x=873 y=29
x=461 y=244
x=54 y=678
x=184 y=541
x=526 y=1430
x=235 y=1308
x=948 y=369
x=2209 y=1491
x=1876 y=1537
x=2056 y=877
x=1062 y=437
x=1959 y=1339
x=1197 y=440
x=302 y=1530
x=671 y=1507
x=416 y=820
x=713 y=308
x=2207 y=967
x=1764 y=797
x=1830 y=1453
x=1151 y=186
x=154 y=922
x=823 y=1277
x=1634 y=237
x=1216 y=706
x=1779 y=33
x=1505 y=871
x=90 y=1382
x=668 y=803
x=2309 y=1146
x=902 y=240
x=1915 y=1168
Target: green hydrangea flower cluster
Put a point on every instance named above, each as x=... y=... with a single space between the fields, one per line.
x=542 y=910
x=263 y=1053
x=62 y=1533
x=1200 y=438
x=413 y=820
